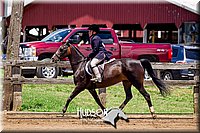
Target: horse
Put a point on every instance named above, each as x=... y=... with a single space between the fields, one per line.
x=126 y=70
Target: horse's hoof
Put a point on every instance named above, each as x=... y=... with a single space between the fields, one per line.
x=154 y=116
x=127 y=120
x=64 y=110
x=63 y=114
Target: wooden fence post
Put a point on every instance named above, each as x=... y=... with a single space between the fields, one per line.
x=196 y=93
x=196 y=99
x=9 y=95
x=17 y=89
x=7 y=89
x=12 y=92
x=14 y=31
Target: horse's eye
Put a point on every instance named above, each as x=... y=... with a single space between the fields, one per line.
x=65 y=48
x=61 y=49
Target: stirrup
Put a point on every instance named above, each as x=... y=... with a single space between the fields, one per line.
x=96 y=80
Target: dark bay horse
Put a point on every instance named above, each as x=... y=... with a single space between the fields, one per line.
x=128 y=71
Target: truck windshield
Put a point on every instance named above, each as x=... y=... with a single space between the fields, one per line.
x=193 y=54
x=56 y=36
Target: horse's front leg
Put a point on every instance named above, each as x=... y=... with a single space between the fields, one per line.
x=75 y=92
x=96 y=97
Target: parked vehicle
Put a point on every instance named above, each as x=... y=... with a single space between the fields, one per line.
x=182 y=54
x=44 y=49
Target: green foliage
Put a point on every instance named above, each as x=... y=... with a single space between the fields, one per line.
x=52 y=98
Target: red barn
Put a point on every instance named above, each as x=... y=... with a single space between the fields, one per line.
x=139 y=19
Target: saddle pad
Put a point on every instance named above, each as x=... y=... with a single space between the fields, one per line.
x=100 y=67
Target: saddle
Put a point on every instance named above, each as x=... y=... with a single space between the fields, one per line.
x=100 y=66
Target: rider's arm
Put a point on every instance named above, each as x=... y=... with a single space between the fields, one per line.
x=95 y=42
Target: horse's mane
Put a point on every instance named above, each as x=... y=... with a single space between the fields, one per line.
x=78 y=50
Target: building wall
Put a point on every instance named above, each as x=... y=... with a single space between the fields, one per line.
x=51 y=14
x=110 y=13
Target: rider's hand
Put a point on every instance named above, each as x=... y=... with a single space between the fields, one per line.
x=88 y=58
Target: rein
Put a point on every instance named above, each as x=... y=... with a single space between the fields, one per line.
x=57 y=55
x=77 y=62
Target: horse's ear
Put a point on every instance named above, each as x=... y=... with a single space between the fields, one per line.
x=63 y=42
x=68 y=42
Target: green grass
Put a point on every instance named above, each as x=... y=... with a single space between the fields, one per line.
x=52 y=98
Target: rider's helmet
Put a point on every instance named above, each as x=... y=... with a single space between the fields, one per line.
x=94 y=27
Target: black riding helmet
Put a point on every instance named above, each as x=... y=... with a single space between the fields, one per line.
x=94 y=27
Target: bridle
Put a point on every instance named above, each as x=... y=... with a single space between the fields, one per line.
x=69 y=52
x=59 y=55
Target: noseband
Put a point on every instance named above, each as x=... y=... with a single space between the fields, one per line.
x=58 y=55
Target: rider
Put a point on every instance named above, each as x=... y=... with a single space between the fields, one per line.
x=99 y=53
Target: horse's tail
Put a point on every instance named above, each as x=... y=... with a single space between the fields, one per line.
x=164 y=90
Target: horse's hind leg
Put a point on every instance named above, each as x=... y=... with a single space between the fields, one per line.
x=147 y=97
x=75 y=92
x=127 y=89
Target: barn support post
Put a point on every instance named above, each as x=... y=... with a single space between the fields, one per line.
x=102 y=96
x=145 y=36
x=153 y=36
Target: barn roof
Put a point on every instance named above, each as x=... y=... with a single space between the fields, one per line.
x=185 y=6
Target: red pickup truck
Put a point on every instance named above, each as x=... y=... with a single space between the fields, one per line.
x=44 y=49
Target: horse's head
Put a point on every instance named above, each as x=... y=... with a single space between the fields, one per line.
x=62 y=52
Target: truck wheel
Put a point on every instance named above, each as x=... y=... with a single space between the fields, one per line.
x=167 y=76
x=47 y=72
